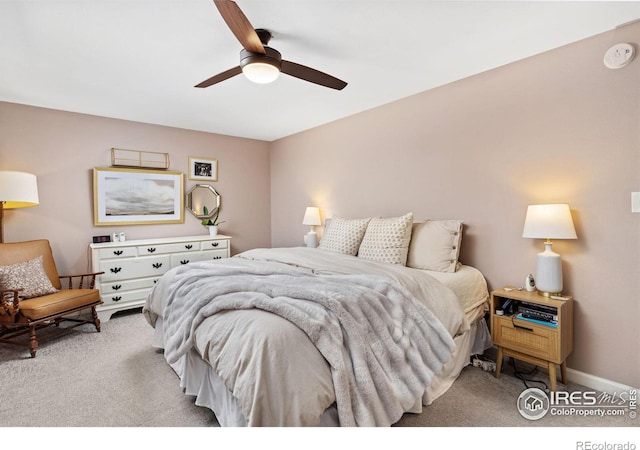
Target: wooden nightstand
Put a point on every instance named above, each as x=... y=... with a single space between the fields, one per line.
x=538 y=343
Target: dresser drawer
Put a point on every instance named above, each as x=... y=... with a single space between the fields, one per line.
x=532 y=339
x=147 y=266
x=214 y=244
x=125 y=297
x=209 y=255
x=117 y=252
x=163 y=249
x=117 y=286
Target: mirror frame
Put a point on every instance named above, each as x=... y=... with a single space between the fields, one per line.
x=189 y=201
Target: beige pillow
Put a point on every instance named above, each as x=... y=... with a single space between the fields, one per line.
x=387 y=239
x=28 y=276
x=435 y=245
x=343 y=235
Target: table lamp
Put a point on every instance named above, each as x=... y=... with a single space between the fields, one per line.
x=311 y=218
x=549 y=222
x=17 y=190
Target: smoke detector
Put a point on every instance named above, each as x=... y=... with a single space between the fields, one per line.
x=619 y=55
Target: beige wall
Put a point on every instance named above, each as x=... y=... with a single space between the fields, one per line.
x=62 y=148
x=558 y=127
x=555 y=128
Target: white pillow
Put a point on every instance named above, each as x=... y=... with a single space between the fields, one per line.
x=435 y=245
x=343 y=235
x=387 y=239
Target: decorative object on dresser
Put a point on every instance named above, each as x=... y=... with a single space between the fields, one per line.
x=17 y=190
x=203 y=169
x=212 y=224
x=32 y=296
x=137 y=197
x=549 y=222
x=132 y=268
x=532 y=328
x=311 y=218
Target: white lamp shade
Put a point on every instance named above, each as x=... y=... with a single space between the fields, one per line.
x=18 y=189
x=260 y=72
x=549 y=222
x=311 y=216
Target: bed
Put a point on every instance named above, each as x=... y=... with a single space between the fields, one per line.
x=330 y=336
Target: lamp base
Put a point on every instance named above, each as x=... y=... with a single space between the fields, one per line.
x=549 y=272
x=311 y=239
x=549 y=294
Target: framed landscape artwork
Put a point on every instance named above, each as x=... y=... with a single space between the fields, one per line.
x=137 y=196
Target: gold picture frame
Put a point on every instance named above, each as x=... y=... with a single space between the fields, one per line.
x=203 y=169
x=137 y=196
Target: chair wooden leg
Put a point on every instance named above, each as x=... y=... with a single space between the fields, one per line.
x=33 y=342
x=96 y=320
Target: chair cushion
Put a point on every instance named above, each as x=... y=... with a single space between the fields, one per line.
x=58 y=303
x=29 y=276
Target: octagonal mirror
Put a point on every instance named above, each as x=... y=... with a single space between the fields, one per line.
x=203 y=201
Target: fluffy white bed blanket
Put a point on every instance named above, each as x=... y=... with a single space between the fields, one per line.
x=382 y=344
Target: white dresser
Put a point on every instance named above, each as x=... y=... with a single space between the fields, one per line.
x=131 y=268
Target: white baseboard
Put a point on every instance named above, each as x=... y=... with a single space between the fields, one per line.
x=597 y=383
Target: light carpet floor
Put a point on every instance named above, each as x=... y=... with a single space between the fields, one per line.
x=117 y=379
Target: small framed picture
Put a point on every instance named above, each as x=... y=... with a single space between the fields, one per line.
x=203 y=169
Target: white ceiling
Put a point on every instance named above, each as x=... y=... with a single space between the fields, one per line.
x=139 y=59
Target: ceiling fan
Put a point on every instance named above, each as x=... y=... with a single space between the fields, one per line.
x=258 y=62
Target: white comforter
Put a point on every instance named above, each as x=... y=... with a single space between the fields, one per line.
x=368 y=336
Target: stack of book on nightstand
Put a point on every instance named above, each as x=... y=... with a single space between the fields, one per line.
x=540 y=314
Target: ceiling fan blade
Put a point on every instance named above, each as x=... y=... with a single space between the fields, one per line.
x=312 y=75
x=239 y=25
x=220 y=77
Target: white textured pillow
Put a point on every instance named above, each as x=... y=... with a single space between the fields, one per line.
x=28 y=276
x=435 y=245
x=343 y=235
x=387 y=239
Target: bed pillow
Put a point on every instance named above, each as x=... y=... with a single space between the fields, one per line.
x=28 y=276
x=343 y=235
x=435 y=245
x=387 y=239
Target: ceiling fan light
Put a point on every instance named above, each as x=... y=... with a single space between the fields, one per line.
x=260 y=72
